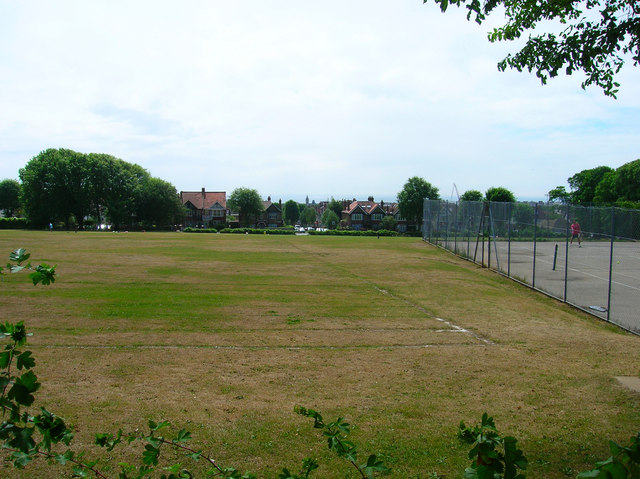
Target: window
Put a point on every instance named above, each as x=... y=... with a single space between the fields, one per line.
x=377 y=216
x=218 y=213
x=273 y=216
x=356 y=217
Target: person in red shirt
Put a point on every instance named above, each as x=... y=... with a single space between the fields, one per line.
x=576 y=232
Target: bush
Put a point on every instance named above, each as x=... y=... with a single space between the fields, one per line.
x=13 y=223
x=354 y=233
x=189 y=229
x=259 y=231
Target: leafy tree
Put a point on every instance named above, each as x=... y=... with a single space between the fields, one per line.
x=335 y=206
x=158 y=203
x=388 y=223
x=308 y=216
x=247 y=203
x=499 y=194
x=606 y=190
x=584 y=183
x=627 y=181
x=44 y=194
x=291 y=212
x=330 y=219
x=9 y=196
x=411 y=199
x=559 y=194
x=597 y=36
x=471 y=195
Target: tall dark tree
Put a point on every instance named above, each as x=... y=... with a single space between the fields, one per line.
x=309 y=216
x=336 y=206
x=157 y=203
x=291 y=212
x=247 y=203
x=500 y=195
x=627 y=181
x=9 y=196
x=411 y=199
x=596 y=38
x=471 y=195
x=44 y=193
x=559 y=194
x=583 y=184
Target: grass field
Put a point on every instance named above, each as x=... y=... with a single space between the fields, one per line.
x=225 y=334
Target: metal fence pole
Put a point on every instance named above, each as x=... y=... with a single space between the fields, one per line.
x=613 y=225
x=566 y=254
x=535 y=237
x=509 y=241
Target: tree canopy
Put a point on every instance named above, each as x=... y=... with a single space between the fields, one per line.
x=500 y=194
x=291 y=212
x=472 y=195
x=247 y=202
x=595 y=37
x=584 y=183
x=308 y=216
x=330 y=219
x=65 y=185
x=411 y=199
x=9 y=196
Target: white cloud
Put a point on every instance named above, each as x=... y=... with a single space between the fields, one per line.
x=330 y=99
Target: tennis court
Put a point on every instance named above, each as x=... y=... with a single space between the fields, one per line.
x=599 y=275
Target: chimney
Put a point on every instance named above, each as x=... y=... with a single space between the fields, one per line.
x=269 y=198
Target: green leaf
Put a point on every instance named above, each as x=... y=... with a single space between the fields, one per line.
x=183 y=436
x=150 y=455
x=25 y=361
x=22 y=389
x=19 y=255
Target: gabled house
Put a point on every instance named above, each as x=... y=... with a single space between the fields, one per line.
x=271 y=217
x=364 y=215
x=204 y=209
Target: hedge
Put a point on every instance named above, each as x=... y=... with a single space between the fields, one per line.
x=13 y=223
x=354 y=233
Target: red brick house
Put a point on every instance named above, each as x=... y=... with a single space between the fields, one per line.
x=204 y=209
x=364 y=215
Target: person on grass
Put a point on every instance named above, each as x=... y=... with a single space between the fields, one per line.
x=576 y=232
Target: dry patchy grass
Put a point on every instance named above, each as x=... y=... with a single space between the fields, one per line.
x=225 y=334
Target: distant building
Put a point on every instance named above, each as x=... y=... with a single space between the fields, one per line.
x=271 y=217
x=204 y=209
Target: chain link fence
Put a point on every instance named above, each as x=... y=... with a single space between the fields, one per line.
x=586 y=256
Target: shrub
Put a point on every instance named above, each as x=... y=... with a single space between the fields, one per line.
x=13 y=223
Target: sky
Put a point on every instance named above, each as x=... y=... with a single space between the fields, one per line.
x=343 y=99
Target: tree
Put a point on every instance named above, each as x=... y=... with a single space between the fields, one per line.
x=388 y=223
x=291 y=212
x=471 y=195
x=9 y=196
x=627 y=181
x=335 y=206
x=308 y=216
x=330 y=219
x=559 y=195
x=247 y=203
x=411 y=199
x=584 y=183
x=596 y=38
x=47 y=191
x=157 y=203
x=500 y=195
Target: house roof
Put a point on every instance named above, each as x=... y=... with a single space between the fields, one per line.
x=204 y=199
x=366 y=206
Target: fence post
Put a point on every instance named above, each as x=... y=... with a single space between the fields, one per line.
x=509 y=242
x=613 y=225
x=566 y=254
x=535 y=237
